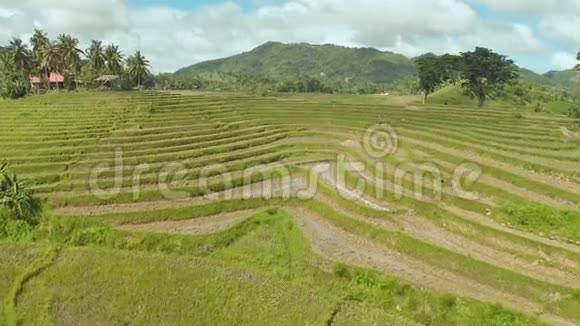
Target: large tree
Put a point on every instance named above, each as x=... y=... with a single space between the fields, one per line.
x=434 y=71
x=485 y=71
x=114 y=60
x=429 y=73
x=138 y=68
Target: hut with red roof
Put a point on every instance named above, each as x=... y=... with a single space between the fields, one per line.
x=55 y=80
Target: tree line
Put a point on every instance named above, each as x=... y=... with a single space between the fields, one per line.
x=261 y=85
x=63 y=56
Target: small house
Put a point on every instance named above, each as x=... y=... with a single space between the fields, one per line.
x=56 y=80
x=109 y=81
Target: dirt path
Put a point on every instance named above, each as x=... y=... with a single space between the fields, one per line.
x=197 y=226
x=422 y=228
x=425 y=230
x=338 y=245
x=325 y=173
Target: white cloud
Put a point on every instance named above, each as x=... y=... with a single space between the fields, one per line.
x=174 y=38
x=563 y=60
x=563 y=27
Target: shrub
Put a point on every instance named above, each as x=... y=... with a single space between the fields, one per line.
x=16 y=199
x=13 y=86
x=574 y=112
x=15 y=230
x=341 y=271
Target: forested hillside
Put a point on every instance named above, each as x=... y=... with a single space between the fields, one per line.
x=278 y=67
x=283 y=62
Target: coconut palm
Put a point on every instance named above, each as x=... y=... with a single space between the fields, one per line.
x=51 y=61
x=96 y=57
x=39 y=41
x=114 y=60
x=70 y=54
x=138 y=68
x=6 y=63
x=20 y=55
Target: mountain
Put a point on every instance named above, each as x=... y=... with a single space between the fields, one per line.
x=338 y=67
x=279 y=62
x=564 y=80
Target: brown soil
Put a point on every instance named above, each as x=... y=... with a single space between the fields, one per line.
x=339 y=245
x=198 y=226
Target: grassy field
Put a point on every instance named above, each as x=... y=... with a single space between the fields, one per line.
x=143 y=226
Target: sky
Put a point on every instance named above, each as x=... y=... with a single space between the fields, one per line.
x=541 y=35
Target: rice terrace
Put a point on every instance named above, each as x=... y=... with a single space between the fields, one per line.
x=219 y=195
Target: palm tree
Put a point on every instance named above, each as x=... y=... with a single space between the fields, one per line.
x=114 y=60
x=39 y=41
x=6 y=63
x=96 y=57
x=20 y=55
x=70 y=54
x=138 y=67
x=51 y=60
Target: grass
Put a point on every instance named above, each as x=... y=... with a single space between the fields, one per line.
x=263 y=270
x=266 y=274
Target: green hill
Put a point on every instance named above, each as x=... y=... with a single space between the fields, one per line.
x=566 y=79
x=292 y=67
x=279 y=62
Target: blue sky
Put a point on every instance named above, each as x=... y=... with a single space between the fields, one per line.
x=538 y=34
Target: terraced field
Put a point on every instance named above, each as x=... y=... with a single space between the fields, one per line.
x=177 y=208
